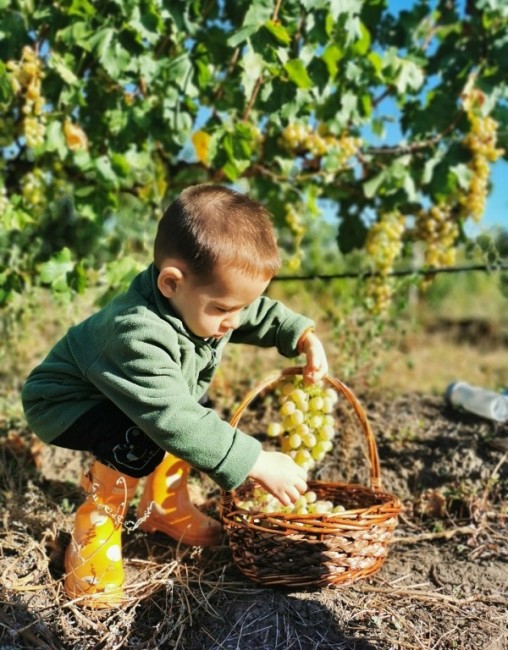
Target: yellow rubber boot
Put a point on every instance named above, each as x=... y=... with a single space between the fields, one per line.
x=167 y=501
x=93 y=560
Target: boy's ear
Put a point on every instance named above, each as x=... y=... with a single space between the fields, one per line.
x=169 y=280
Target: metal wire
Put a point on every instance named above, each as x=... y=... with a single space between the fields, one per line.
x=396 y=273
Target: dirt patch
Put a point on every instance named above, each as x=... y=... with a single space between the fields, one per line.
x=443 y=585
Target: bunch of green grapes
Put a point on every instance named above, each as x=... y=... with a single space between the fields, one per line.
x=33 y=187
x=481 y=141
x=306 y=504
x=294 y=222
x=384 y=241
x=305 y=429
x=379 y=292
x=383 y=245
x=26 y=78
x=438 y=229
x=297 y=137
x=345 y=147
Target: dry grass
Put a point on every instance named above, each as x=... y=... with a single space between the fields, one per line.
x=428 y=362
x=442 y=586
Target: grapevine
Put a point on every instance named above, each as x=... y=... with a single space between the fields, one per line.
x=26 y=79
x=306 y=430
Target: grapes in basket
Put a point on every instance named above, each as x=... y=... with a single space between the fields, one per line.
x=305 y=429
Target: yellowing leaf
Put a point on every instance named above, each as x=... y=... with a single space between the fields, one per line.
x=201 y=142
x=75 y=137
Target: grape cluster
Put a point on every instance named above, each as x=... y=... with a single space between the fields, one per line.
x=33 y=188
x=481 y=141
x=379 y=292
x=26 y=79
x=301 y=138
x=384 y=241
x=306 y=504
x=306 y=429
x=438 y=228
x=298 y=230
x=383 y=245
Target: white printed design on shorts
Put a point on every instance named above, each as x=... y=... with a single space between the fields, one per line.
x=133 y=452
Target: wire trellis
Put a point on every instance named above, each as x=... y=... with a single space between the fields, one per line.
x=395 y=273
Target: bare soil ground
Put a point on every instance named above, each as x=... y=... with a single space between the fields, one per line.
x=443 y=585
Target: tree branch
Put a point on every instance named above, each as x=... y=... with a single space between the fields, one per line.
x=415 y=146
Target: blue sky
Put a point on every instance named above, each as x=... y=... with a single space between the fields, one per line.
x=496 y=212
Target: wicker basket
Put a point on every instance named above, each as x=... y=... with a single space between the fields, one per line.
x=313 y=550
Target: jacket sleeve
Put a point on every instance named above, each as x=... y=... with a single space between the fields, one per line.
x=269 y=323
x=144 y=379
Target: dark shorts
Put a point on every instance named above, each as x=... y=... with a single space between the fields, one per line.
x=114 y=440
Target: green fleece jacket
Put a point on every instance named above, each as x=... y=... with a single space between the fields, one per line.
x=137 y=353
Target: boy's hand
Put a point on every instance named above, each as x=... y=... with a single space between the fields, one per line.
x=317 y=364
x=280 y=476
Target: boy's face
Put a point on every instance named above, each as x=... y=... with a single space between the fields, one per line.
x=213 y=309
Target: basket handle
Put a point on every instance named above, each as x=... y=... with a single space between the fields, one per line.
x=269 y=382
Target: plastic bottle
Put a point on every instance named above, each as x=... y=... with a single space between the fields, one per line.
x=485 y=403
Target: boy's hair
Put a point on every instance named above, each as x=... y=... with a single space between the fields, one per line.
x=211 y=225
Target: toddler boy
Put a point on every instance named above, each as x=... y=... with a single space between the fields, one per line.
x=126 y=383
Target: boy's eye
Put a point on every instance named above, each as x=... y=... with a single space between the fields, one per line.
x=230 y=310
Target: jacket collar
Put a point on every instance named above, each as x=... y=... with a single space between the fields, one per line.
x=165 y=310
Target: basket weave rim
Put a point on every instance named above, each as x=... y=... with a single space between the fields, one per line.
x=387 y=506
